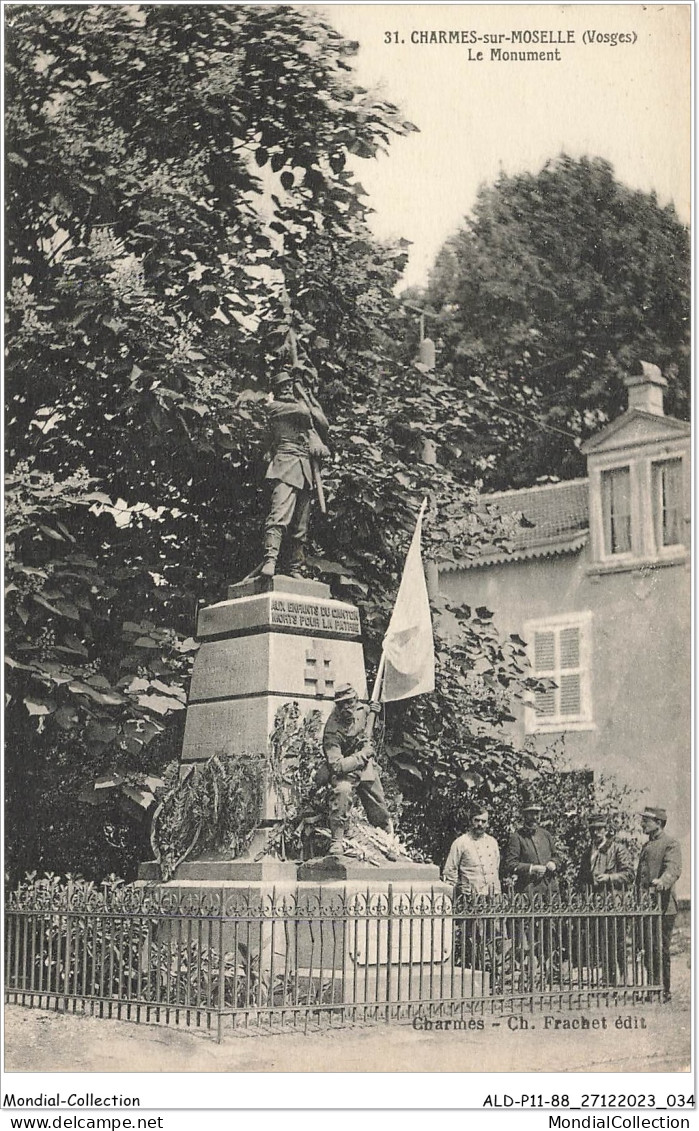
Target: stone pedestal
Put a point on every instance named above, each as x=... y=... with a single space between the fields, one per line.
x=272 y=642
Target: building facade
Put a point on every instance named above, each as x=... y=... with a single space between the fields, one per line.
x=597 y=582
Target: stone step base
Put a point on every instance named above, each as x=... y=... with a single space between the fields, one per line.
x=267 y=870
x=270 y=870
x=349 y=868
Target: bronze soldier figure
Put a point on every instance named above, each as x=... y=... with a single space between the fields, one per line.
x=298 y=434
x=350 y=755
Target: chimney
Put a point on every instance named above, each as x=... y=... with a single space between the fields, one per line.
x=646 y=389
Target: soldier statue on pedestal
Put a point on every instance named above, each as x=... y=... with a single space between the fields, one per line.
x=298 y=433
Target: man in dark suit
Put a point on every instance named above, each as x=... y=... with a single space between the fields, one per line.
x=606 y=868
x=659 y=868
x=530 y=856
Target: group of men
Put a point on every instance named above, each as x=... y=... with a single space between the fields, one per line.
x=474 y=866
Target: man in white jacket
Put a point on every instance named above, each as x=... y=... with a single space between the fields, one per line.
x=473 y=867
x=473 y=863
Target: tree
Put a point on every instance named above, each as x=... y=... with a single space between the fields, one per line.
x=179 y=201
x=558 y=284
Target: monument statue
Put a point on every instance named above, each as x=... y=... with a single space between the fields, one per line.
x=298 y=434
x=349 y=751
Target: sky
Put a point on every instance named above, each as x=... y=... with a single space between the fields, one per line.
x=628 y=102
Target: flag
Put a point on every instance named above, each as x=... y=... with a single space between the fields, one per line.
x=408 y=645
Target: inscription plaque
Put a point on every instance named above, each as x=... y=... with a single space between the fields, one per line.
x=314 y=615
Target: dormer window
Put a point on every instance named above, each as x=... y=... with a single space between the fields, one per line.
x=616 y=505
x=639 y=483
x=667 y=502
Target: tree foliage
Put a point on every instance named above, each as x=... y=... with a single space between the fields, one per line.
x=180 y=199
x=555 y=286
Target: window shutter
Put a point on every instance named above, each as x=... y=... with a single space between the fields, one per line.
x=570 y=695
x=545 y=702
x=544 y=652
x=570 y=647
x=667 y=502
x=616 y=503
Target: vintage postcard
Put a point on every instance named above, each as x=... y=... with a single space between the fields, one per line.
x=347 y=504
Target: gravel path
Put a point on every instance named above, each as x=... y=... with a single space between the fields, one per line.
x=658 y=1039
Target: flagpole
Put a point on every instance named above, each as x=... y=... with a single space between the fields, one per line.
x=376 y=693
x=379 y=678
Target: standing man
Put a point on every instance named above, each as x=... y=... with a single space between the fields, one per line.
x=604 y=869
x=473 y=867
x=530 y=855
x=349 y=751
x=606 y=864
x=473 y=863
x=659 y=869
x=298 y=433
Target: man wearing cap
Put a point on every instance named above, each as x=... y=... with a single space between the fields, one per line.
x=606 y=864
x=659 y=868
x=349 y=751
x=294 y=420
x=605 y=868
x=530 y=856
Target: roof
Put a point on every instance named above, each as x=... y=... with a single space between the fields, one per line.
x=636 y=427
x=554 y=520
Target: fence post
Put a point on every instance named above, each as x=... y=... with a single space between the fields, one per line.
x=389 y=953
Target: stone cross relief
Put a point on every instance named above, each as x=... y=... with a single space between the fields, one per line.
x=319 y=674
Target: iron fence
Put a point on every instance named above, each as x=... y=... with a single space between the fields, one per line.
x=302 y=957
